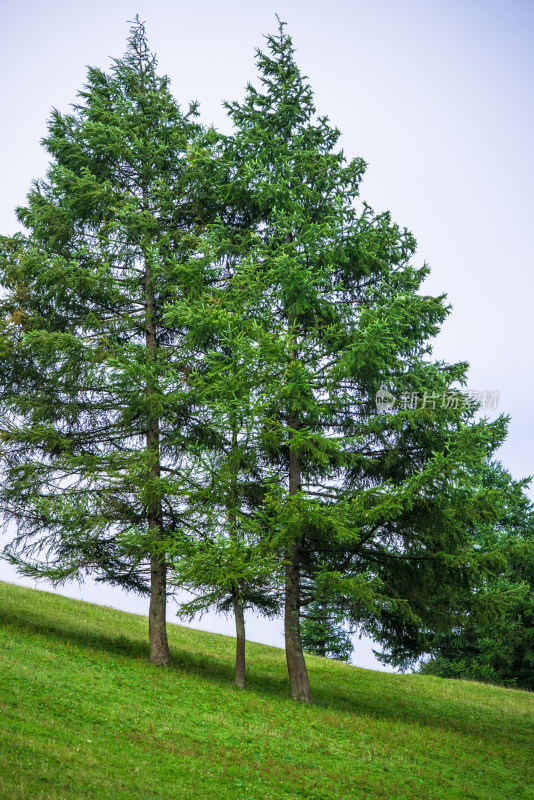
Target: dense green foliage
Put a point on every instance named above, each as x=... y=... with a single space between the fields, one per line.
x=81 y=383
x=376 y=511
x=93 y=398
x=194 y=334
x=85 y=716
x=501 y=648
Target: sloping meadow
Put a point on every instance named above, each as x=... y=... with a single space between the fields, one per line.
x=84 y=715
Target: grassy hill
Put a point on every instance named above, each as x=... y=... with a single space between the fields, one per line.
x=84 y=715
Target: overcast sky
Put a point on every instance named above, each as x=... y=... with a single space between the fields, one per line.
x=435 y=96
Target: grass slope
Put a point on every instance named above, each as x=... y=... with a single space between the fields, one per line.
x=84 y=715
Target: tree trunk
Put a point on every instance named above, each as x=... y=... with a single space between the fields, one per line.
x=157 y=623
x=157 y=628
x=157 y=615
x=299 y=684
x=234 y=533
x=240 y=644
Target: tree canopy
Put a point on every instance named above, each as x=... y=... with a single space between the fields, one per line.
x=92 y=393
x=499 y=648
x=197 y=334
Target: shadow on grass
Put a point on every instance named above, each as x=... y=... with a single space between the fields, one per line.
x=385 y=702
x=209 y=667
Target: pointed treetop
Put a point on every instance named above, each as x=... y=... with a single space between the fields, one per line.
x=138 y=48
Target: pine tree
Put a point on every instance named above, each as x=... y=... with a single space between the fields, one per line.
x=324 y=633
x=94 y=400
x=231 y=561
x=376 y=509
x=497 y=647
x=195 y=333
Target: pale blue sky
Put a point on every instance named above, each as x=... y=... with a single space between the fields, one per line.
x=437 y=97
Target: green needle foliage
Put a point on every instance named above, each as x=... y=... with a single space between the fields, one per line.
x=376 y=511
x=195 y=330
x=94 y=399
x=500 y=648
x=229 y=558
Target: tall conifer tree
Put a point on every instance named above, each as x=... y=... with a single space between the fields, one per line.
x=376 y=509
x=230 y=558
x=176 y=383
x=94 y=401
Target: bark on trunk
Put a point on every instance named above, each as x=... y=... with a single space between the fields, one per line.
x=240 y=644
x=299 y=684
x=234 y=533
x=157 y=625
x=157 y=615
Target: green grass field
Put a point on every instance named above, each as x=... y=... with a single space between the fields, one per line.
x=84 y=715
